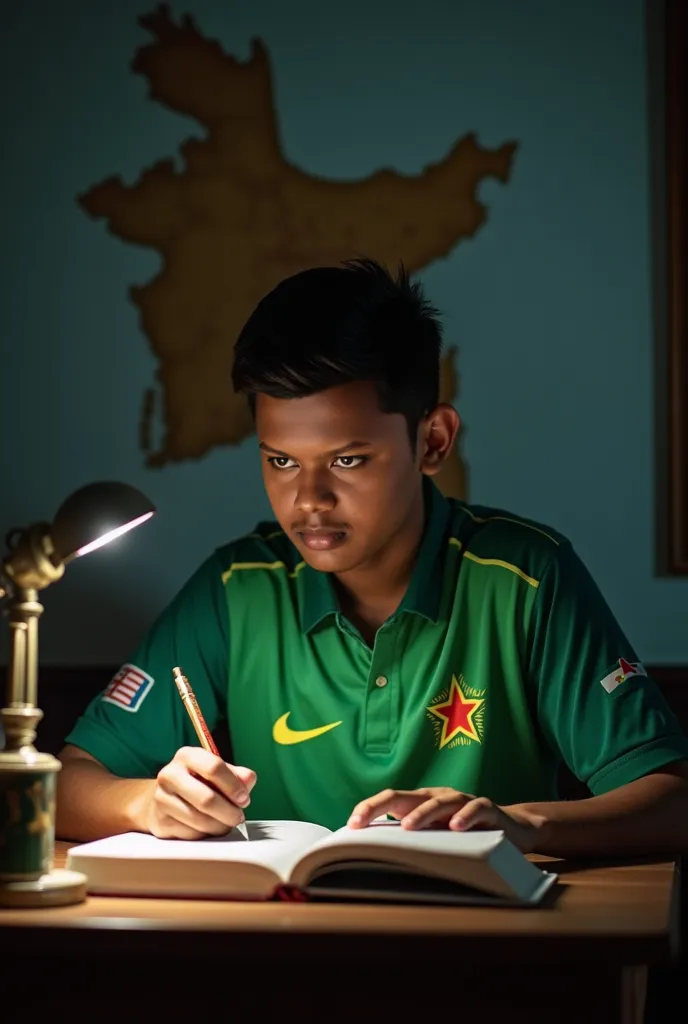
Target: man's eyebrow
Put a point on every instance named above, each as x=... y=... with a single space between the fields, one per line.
x=275 y=451
x=350 y=447
x=335 y=451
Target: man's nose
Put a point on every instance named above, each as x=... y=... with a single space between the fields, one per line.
x=314 y=494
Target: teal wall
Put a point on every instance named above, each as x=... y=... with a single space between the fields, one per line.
x=550 y=304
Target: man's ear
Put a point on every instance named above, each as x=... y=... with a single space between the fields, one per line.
x=436 y=436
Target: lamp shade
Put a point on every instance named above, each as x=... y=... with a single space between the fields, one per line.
x=95 y=515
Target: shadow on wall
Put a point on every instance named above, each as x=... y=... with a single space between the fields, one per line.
x=104 y=626
x=97 y=622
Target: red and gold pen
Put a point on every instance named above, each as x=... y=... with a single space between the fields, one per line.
x=199 y=723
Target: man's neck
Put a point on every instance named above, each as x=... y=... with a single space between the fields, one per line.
x=372 y=593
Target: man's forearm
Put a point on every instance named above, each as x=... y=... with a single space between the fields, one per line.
x=92 y=803
x=646 y=816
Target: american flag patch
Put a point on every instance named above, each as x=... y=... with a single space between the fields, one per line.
x=128 y=688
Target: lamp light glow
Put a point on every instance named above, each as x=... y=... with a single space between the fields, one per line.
x=113 y=534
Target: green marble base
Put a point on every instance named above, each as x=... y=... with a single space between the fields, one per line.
x=27 y=814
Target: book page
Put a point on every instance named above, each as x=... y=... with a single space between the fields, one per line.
x=482 y=860
x=380 y=832
x=274 y=845
x=386 y=841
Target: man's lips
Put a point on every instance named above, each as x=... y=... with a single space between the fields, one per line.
x=321 y=538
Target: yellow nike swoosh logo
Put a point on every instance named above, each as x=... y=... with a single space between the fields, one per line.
x=281 y=733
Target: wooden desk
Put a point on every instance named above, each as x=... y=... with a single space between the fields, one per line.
x=580 y=957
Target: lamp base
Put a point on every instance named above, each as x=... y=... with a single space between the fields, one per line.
x=59 y=888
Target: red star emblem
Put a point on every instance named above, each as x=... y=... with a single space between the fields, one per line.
x=456 y=714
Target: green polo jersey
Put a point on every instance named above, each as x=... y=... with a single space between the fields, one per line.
x=502 y=661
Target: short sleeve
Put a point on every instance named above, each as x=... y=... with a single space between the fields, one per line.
x=597 y=706
x=138 y=722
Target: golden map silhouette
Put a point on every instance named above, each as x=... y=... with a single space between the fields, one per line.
x=239 y=217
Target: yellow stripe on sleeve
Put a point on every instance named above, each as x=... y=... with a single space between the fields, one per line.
x=236 y=566
x=509 y=519
x=504 y=565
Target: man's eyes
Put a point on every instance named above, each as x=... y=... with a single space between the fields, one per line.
x=351 y=461
x=341 y=462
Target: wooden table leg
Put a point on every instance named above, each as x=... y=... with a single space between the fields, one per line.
x=633 y=994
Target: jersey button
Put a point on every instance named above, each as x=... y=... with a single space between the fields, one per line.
x=381 y=681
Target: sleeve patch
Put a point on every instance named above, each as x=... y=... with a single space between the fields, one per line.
x=622 y=671
x=128 y=688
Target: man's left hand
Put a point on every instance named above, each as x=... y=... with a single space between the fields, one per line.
x=443 y=807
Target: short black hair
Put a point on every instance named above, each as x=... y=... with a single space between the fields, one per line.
x=331 y=325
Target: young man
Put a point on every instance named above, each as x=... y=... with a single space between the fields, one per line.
x=380 y=649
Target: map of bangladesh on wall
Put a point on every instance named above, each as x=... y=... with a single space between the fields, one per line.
x=239 y=217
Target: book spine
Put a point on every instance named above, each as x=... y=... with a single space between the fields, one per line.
x=290 y=894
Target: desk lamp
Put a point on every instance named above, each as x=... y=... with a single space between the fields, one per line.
x=92 y=516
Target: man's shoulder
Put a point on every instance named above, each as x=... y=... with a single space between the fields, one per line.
x=265 y=547
x=490 y=533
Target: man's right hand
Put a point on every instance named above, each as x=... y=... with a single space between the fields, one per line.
x=198 y=794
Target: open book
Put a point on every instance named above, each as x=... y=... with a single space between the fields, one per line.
x=295 y=859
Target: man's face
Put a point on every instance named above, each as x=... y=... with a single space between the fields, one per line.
x=340 y=474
